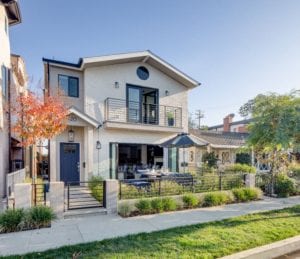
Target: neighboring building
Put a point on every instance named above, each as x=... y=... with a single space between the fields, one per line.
x=224 y=144
x=121 y=107
x=9 y=15
x=18 y=86
x=231 y=126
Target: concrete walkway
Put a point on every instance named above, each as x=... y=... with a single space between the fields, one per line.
x=81 y=230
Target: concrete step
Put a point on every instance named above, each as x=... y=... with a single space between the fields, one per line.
x=80 y=213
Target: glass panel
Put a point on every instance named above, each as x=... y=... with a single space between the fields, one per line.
x=63 y=82
x=73 y=87
x=69 y=148
x=134 y=104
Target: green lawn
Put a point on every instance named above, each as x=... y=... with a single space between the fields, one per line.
x=209 y=240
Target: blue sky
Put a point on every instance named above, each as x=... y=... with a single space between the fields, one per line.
x=236 y=49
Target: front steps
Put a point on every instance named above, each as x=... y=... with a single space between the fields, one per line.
x=80 y=213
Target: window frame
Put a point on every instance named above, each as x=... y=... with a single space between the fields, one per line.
x=69 y=78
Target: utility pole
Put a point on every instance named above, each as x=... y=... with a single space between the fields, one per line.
x=199 y=115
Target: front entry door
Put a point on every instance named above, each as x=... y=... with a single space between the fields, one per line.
x=69 y=162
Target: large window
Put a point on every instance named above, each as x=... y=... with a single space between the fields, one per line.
x=69 y=85
x=142 y=104
x=4 y=72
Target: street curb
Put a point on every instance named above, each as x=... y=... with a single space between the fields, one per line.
x=269 y=251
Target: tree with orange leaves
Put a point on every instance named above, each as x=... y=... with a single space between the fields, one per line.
x=36 y=119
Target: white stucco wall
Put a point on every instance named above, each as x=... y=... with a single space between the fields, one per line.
x=4 y=60
x=99 y=85
x=96 y=84
x=54 y=90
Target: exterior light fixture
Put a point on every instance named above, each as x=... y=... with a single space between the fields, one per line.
x=98 y=145
x=71 y=135
x=167 y=93
x=117 y=85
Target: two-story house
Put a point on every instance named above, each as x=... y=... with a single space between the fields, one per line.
x=9 y=15
x=121 y=107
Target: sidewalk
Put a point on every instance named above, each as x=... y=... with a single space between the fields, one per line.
x=73 y=231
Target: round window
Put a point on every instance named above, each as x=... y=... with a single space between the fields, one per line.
x=142 y=73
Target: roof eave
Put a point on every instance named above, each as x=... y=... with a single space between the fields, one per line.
x=13 y=12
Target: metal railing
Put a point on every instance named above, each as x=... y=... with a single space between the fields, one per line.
x=82 y=195
x=14 y=178
x=39 y=196
x=122 y=111
x=165 y=186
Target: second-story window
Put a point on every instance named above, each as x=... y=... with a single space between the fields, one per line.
x=69 y=85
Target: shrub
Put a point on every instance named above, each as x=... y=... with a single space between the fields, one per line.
x=169 y=204
x=295 y=169
x=284 y=186
x=96 y=186
x=210 y=159
x=144 y=206
x=246 y=194
x=241 y=168
x=40 y=216
x=215 y=199
x=190 y=200
x=243 y=158
x=11 y=220
x=157 y=205
x=124 y=209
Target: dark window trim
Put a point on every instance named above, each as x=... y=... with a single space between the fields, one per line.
x=128 y=85
x=70 y=77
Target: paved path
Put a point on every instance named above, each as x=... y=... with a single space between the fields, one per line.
x=81 y=230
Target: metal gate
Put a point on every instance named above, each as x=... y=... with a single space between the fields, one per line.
x=39 y=191
x=82 y=195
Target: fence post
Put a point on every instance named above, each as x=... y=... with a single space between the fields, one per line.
x=193 y=189
x=120 y=190
x=220 y=181
x=111 y=195
x=249 y=180
x=68 y=195
x=57 y=197
x=159 y=187
x=23 y=195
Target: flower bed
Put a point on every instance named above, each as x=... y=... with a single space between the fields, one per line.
x=13 y=220
x=146 y=206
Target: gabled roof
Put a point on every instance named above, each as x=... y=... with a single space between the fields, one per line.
x=84 y=117
x=221 y=139
x=140 y=56
x=13 y=11
x=245 y=121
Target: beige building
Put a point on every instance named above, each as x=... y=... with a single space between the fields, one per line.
x=9 y=15
x=120 y=108
x=225 y=145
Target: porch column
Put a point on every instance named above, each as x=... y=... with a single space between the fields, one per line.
x=89 y=146
x=165 y=158
x=54 y=154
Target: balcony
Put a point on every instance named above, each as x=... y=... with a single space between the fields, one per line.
x=131 y=115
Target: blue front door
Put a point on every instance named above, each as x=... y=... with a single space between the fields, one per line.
x=69 y=162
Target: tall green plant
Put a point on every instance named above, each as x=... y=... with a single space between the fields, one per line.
x=275 y=127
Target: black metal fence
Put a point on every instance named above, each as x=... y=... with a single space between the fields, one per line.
x=39 y=194
x=82 y=195
x=133 y=189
